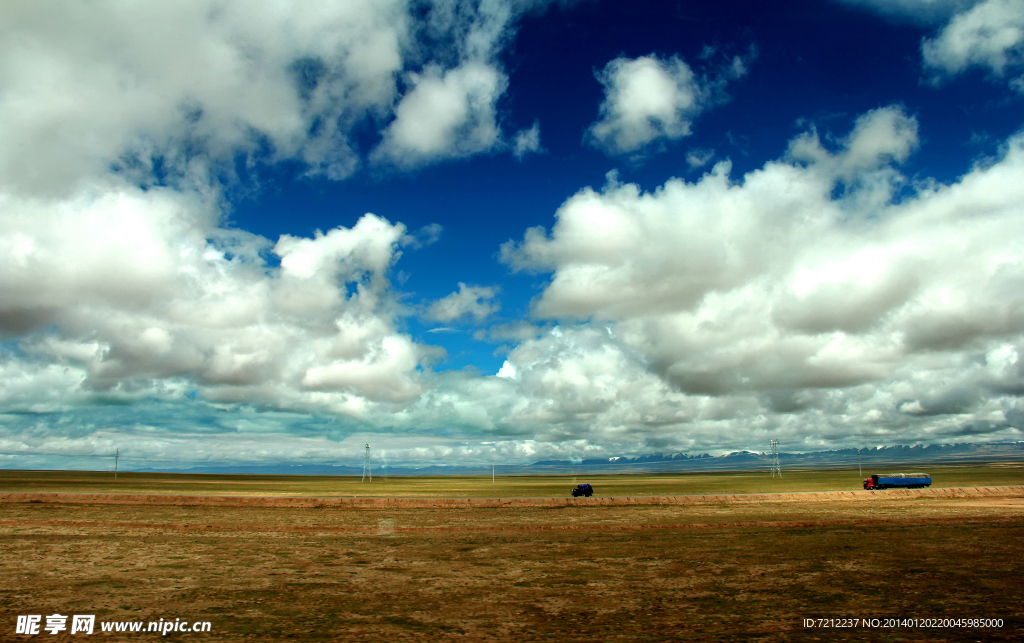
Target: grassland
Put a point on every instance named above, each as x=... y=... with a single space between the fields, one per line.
x=713 y=572
x=589 y=574
x=482 y=487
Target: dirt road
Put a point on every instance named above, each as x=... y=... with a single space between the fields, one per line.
x=424 y=503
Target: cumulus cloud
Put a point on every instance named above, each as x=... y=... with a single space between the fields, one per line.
x=799 y=301
x=126 y=306
x=447 y=114
x=117 y=277
x=126 y=285
x=473 y=302
x=974 y=33
x=649 y=99
x=990 y=35
x=779 y=294
x=620 y=251
x=150 y=297
x=450 y=111
x=85 y=87
x=182 y=90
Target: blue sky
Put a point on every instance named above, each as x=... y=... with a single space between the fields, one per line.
x=267 y=233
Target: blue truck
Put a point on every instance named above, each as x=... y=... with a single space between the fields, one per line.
x=898 y=481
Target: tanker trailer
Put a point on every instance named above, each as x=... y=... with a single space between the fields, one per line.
x=898 y=481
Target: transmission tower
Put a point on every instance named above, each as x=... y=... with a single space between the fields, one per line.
x=776 y=469
x=367 y=473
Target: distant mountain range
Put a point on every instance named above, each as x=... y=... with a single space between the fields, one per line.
x=898 y=456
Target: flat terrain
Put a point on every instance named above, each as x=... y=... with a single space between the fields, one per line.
x=481 y=487
x=707 y=572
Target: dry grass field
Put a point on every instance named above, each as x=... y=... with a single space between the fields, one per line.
x=711 y=572
x=482 y=487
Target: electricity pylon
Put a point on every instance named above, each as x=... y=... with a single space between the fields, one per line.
x=367 y=473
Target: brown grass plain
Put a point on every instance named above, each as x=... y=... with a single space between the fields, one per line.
x=740 y=571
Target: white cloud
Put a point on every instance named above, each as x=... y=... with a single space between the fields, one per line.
x=86 y=86
x=701 y=315
x=514 y=332
x=447 y=114
x=974 y=33
x=179 y=89
x=648 y=99
x=451 y=111
x=474 y=302
x=118 y=283
x=790 y=307
x=990 y=34
x=425 y=236
x=124 y=288
x=699 y=158
x=526 y=141
x=128 y=288
x=506 y=370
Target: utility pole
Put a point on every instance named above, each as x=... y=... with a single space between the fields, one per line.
x=492 y=467
x=117 y=456
x=776 y=469
x=860 y=469
x=367 y=473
